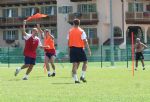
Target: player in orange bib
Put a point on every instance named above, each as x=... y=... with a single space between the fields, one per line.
x=50 y=51
x=77 y=40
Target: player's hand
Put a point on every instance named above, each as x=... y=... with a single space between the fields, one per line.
x=48 y=47
x=25 y=22
x=38 y=25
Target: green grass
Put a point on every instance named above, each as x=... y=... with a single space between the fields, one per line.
x=104 y=85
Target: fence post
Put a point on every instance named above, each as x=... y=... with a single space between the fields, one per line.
x=8 y=58
x=127 y=54
x=101 y=56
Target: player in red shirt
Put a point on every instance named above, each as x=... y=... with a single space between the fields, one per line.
x=31 y=44
x=50 y=52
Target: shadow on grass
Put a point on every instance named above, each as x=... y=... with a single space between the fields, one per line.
x=14 y=79
x=37 y=77
x=63 y=77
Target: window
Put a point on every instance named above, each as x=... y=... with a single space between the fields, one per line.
x=13 y=12
x=117 y=32
x=10 y=35
x=65 y=9
x=135 y=7
x=84 y=8
x=28 y=11
x=148 y=7
x=91 y=32
x=49 y=10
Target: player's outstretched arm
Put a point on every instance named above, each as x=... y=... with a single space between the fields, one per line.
x=47 y=47
x=144 y=45
x=51 y=36
x=42 y=46
x=24 y=28
x=40 y=30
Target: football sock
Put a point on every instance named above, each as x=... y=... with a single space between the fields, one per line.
x=83 y=74
x=49 y=72
x=53 y=71
x=75 y=77
x=19 y=69
x=26 y=76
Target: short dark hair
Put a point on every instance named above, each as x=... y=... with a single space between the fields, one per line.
x=76 y=22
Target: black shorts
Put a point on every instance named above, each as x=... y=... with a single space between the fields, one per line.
x=49 y=55
x=139 y=55
x=77 y=55
x=29 y=60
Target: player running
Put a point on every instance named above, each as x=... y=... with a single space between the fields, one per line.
x=77 y=40
x=50 y=52
x=31 y=44
x=139 y=46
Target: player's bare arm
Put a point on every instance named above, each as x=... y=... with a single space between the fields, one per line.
x=44 y=47
x=52 y=36
x=24 y=28
x=144 y=45
x=87 y=45
x=40 y=30
x=68 y=48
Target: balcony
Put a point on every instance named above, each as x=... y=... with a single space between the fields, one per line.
x=16 y=2
x=137 y=0
x=17 y=22
x=85 y=18
x=138 y=17
x=79 y=0
x=93 y=42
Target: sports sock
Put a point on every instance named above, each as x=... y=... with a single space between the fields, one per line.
x=19 y=69
x=75 y=77
x=49 y=72
x=26 y=76
x=53 y=71
x=83 y=74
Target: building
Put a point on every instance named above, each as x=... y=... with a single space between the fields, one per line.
x=95 y=20
x=13 y=12
x=137 y=13
x=128 y=16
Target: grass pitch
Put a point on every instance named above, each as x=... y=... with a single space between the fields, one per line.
x=104 y=85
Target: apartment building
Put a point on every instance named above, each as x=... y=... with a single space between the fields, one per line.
x=128 y=15
x=95 y=20
x=137 y=13
x=13 y=12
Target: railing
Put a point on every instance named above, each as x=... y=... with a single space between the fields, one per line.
x=79 y=0
x=138 y=0
x=84 y=17
x=18 y=21
x=23 y=1
x=138 y=15
x=141 y=17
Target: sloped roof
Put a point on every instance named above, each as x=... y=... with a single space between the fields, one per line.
x=117 y=41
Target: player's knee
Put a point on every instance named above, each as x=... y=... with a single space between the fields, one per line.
x=31 y=66
x=26 y=65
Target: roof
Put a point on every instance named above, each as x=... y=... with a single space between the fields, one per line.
x=117 y=41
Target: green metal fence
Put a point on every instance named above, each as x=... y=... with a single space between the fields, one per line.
x=11 y=55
